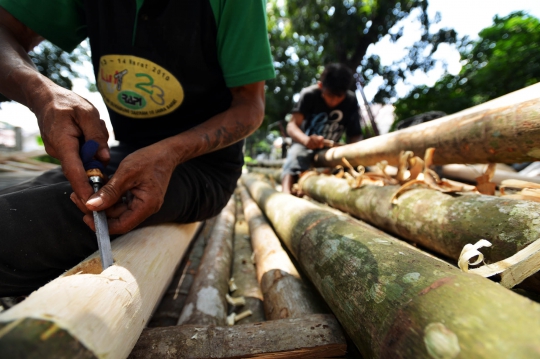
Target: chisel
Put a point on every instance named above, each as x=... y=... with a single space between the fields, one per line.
x=100 y=220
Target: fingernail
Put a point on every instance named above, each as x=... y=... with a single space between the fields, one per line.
x=72 y=197
x=96 y=202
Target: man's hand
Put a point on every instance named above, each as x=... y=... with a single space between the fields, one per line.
x=142 y=178
x=314 y=142
x=144 y=175
x=64 y=118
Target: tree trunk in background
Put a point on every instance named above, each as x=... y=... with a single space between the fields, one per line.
x=504 y=130
x=394 y=301
x=89 y=312
x=243 y=270
x=285 y=293
x=441 y=222
x=206 y=302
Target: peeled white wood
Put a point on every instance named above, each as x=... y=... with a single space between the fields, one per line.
x=107 y=311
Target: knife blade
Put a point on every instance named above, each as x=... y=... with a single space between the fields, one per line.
x=100 y=220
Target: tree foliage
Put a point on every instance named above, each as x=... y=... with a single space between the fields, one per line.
x=307 y=34
x=505 y=58
x=56 y=64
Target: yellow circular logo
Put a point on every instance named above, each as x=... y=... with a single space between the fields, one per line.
x=138 y=88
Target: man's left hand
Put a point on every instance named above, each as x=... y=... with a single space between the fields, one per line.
x=145 y=175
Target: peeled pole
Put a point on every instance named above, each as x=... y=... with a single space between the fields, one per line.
x=91 y=313
x=393 y=300
x=504 y=130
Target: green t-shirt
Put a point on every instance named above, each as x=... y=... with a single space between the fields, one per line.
x=242 y=39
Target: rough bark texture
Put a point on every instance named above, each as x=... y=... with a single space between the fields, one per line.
x=39 y=339
x=504 y=130
x=173 y=301
x=394 y=301
x=441 y=222
x=104 y=310
x=206 y=303
x=243 y=272
x=316 y=336
x=286 y=296
x=285 y=293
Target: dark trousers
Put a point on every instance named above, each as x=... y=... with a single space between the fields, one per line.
x=42 y=233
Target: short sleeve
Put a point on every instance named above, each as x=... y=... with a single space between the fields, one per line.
x=242 y=41
x=62 y=22
x=304 y=104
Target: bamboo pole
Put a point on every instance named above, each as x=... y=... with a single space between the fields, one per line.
x=206 y=302
x=504 y=130
x=315 y=336
x=244 y=272
x=170 y=307
x=394 y=301
x=435 y=220
x=90 y=313
x=286 y=295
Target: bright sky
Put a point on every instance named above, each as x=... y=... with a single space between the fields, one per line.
x=467 y=17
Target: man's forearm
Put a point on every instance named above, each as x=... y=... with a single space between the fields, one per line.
x=296 y=133
x=17 y=71
x=242 y=119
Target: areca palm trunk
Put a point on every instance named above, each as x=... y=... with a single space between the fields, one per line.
x=393 y=300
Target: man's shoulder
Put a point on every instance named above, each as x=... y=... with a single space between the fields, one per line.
x=312 y=90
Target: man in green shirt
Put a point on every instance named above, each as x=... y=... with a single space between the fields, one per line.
x=184 y=84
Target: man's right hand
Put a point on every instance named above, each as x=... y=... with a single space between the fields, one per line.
x=314 y=142
x=64 y=118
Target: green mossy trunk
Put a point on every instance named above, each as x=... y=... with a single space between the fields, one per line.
x=39 y=339
x=393 y=300
x=441 y=222
x=504 y=130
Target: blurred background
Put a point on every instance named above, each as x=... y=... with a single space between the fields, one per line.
x=414 y=61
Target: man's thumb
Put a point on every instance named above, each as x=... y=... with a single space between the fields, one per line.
x=106 y=197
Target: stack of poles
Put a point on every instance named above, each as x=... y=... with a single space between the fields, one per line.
x=294 y=326
x=393 y=300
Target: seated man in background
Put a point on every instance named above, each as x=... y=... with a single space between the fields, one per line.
x=320 y=117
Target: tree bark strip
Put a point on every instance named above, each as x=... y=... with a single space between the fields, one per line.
x=504 y=130
x=441 y=222
x=206 y=303
x=315 y=336
x=394 y=301
x=91 y=312
x=175 y=297
x=244 y=272
x=285 y=293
